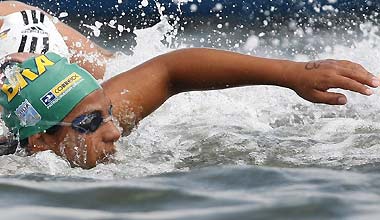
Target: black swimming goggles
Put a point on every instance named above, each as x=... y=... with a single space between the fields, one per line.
x=84 y=124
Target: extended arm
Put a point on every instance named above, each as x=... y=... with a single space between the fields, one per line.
x=200 y=69
x=144 y=88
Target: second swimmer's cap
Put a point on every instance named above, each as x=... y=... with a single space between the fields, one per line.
x=42 y=92
x=30 y=31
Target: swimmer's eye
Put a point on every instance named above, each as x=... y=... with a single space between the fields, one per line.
x=87 y=123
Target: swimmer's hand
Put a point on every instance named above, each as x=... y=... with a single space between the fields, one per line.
x=154 y=81
x=312 y=80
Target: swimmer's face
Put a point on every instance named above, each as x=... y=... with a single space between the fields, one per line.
x=82 y=149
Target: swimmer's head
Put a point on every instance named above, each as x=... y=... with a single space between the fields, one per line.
x=30 y=31
x=42 y=91
x=57 y=106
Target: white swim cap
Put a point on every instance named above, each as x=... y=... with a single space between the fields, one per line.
x=30 y=31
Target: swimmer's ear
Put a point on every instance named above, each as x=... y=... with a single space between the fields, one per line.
x=37 y=143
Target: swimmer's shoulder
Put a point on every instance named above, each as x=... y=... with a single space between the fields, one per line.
x=9 y=7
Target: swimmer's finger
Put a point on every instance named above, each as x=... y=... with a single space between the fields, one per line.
x=361 y=76
x=352 y=65
x=330 y=98
x=352 y=85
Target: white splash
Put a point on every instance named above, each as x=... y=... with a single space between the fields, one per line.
x=95 y=28
x=265 y=123
x=63 y=15
x=149 y=43
x=251 y=43
x=144 y=3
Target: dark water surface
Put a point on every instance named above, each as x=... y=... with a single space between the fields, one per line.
x=237 y=192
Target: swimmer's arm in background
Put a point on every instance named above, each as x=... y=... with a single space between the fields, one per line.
x=78 y=44
x=144 y=88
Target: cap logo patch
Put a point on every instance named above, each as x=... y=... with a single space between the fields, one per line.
x=27 y=114
x=61 y=89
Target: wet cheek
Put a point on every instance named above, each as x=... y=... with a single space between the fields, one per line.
x=85 y=151
x=92 y=152
x=74 y=149
x=101 y=152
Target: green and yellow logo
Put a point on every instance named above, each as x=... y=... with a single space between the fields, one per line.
x=11 y=90
x=66 y=84
x=61 y=89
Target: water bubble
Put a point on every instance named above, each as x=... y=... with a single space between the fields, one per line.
x=125 y=91
x=317 y=9
x=112 y=23
x=193 y=7
x=218 y=7
x=55 y=20
x=95 y=29
x=276 y=42
x=328 y=8
x=120 y=28
x=63 y=15
x=292 y=25
x=328 y=49
x=251 y=43
x=98 y=24
x=144 y=3
x=309 y=31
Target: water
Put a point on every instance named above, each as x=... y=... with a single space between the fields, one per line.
x=246 y=153
x=212 y=193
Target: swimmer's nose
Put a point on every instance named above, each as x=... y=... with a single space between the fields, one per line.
x=111 y=134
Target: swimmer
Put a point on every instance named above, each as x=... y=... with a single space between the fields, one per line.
x=24 y=28
x=50 y=104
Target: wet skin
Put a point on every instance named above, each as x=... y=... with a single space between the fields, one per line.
x=84 y=150
x=138 y=92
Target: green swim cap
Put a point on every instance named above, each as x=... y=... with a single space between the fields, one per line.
x=44 y=90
